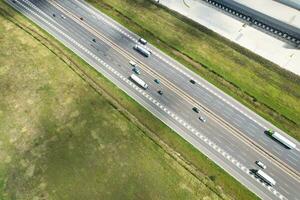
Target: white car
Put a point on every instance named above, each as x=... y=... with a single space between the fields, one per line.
x=260 y=164
x=132 y=63
x=143 y=41
x=202 y=119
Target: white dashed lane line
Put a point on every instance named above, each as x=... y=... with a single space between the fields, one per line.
x=129 y=35
x=152 y=100
x=47 y=16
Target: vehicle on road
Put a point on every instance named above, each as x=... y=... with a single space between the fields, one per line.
x=143 y=41
x=132 y=63
x=54 y=15
x=280 y=138
x=142 y=50
x=139 y=81
x=260 y=164
x=94 y=40
x=192 y=81
x=265 y=177
x=160 y=92
x=202 y=119
x=62 y=16
x=136 y=70
x=156 y=81
x=196 y=109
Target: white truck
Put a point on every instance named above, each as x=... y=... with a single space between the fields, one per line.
x=142 y=50
x=139 y=81
x=265 y=177
x=283 y=140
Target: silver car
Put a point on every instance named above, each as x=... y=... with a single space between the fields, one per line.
x=142 y=41
x=132 y=63
x=260 y=164
x=202 y=119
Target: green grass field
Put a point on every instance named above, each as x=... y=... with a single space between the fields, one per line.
x=39 y=136
x=261 y=85
x=62 y=139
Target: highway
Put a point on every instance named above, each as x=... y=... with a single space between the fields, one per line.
x=233 y=136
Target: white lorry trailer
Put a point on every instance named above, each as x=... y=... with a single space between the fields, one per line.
x=283 y=140
x=142 y=50
x=265 y=177
x=138 y=81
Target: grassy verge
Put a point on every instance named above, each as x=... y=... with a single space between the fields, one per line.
x=57 y=137
x=60 y=137
x=259 y=84
x=51 y=129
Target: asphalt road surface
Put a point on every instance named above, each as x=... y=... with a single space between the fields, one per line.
x=232 y=136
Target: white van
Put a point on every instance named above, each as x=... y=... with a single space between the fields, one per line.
x=132 y=63
x=143 y=41
x=260 y=164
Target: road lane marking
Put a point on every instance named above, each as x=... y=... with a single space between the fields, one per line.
x=188 y=98
x=205 y=139
x=180 y=69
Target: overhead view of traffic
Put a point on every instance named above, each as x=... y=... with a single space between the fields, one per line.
x=245 y=143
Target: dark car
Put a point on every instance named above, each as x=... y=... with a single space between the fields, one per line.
x=196 y=110
x=156 y=81
x=136 y=70
x=192 y=81
x=160 y=92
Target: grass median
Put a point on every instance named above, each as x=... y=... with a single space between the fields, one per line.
x=264 y=87
x=66 y=132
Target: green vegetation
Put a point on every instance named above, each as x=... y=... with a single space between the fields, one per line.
x=61 y=139
x=261 y=85
x=65 y=132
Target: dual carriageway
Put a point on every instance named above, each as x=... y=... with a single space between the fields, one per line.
x=233 y=136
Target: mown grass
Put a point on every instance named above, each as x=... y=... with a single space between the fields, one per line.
x=61 y=139
x=199 y=165
x=261 y=85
